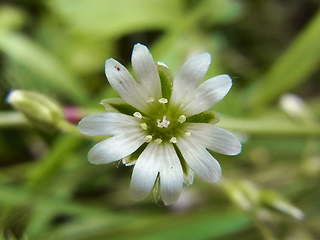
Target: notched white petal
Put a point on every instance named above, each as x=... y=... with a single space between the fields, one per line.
x=199 y=159
x=145 y=172
x=189 y=76
x=215 y=138
x=146 y=70
x=116 y=148
x=208 y=93
x=121 y=81
x=106 y=124
x=171 y=174
x=194 y=69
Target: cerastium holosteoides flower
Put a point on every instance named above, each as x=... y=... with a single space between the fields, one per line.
x=162 y=125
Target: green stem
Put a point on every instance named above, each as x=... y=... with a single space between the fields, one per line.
x=264 y=230
x=276 y=127
x=67 y=127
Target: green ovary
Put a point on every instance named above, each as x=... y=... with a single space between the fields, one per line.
x=164 y=128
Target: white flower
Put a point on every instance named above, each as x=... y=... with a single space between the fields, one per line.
x=161 y=126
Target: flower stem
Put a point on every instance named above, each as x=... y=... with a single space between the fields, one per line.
x=266 y=127
x=68 y=128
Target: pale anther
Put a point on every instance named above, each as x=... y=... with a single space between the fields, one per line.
x=137 y=115
x=163 y=100
x=173 y=140
x=182 y=119
x=148 y=138
x=150 y=99
x=188 y=134
x=144 y=126
x=164 y=123
x=158 y=141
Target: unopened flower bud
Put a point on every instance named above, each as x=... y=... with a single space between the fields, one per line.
x=37 y=107
x=245 y=194
x=272 y=199
x=295 y=107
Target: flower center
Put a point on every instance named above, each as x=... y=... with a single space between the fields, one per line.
x=167 y=129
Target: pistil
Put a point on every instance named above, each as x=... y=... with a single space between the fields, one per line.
x=164 y=123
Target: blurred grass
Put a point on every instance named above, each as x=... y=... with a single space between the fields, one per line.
x=49 y=191
x=298 y=62
x=44 y=70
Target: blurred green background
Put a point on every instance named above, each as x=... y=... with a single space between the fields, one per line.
x=270 y=48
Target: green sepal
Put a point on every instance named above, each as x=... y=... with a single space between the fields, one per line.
x=131 y=159
x=157 y=191
x=166 y=79
x=205 y=117
x=118 y=105
x=187 y=172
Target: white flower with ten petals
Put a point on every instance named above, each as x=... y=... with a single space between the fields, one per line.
x=163 y=127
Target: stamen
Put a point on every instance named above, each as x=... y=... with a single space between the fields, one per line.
x=158 y=141
x=148 y=138
x=137 y=115
x=188 y=134
x=163 y=100
x=150 y=99
x=144 y=126
x=173 y=140
x=182 y=119
x=164 y=124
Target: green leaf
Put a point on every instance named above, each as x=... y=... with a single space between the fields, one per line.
x=116 y=18
x=41 y=66
x=292 y=68
x=199 y=226
x=269 y=127
x=11 y=18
